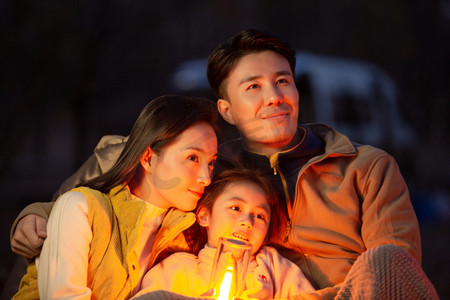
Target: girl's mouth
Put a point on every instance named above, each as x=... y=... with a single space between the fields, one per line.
x=240 y=236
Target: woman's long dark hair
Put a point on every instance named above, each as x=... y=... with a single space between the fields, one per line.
x=159 y=123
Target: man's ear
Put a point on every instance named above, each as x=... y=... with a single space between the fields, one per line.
x=203 y=216
x=146 y=159
x=224 y=108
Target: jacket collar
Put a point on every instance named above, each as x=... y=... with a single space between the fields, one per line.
x=319 y=141
x=335 y=142
x=129 y=213
x=127 y=210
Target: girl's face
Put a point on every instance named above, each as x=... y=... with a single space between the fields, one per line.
x=240 y=212
x=180 y=173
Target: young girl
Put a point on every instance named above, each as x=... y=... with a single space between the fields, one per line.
x=103 y=236
x=239 y=204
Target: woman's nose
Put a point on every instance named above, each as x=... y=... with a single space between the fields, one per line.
x=204 y=177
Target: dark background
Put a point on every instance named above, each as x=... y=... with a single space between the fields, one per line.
x=73 y=71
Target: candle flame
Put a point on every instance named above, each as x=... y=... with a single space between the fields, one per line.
x=226 y=286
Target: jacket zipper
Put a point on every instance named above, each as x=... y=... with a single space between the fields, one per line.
x=288 y=202
x=290 y=212
x=288 y=230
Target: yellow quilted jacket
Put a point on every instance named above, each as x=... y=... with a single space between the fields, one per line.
x=113 y=218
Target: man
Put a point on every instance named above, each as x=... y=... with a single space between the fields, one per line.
x=343 y=201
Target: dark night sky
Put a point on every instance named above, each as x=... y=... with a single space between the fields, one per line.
x=73 y=71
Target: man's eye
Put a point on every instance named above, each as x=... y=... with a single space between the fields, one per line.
x=236 y=208
x=253 y=87
x=282 y=80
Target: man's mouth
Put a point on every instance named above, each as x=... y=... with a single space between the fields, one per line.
x=275 y=115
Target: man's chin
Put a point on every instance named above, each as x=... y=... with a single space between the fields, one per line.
x=269 y=145
x=281 y=144
x=279 y=139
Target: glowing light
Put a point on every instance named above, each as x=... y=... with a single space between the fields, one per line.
x=226 y=285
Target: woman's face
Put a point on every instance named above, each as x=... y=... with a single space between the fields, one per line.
x=180 y=173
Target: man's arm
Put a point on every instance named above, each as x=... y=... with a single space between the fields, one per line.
x=29 y=229
x=388 y=216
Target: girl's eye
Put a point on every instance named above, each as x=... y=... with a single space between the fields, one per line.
x=236 y=208
x=261 y=217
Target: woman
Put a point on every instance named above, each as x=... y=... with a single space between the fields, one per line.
x=103 y=235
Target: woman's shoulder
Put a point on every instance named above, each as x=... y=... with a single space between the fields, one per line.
x=73 y=203
x=72 y=197
x=74 y=194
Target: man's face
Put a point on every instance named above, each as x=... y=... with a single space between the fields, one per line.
x=262 y=101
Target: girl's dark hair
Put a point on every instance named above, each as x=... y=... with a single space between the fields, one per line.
x=161 y=121
x=224 y=57
x=197 y=235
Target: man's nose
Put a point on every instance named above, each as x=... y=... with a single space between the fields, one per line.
x=273 y=96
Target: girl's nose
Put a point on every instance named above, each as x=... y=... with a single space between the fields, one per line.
x=246 y=222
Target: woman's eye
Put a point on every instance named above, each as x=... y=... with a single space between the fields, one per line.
x=212 y=163
x=193 y=158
